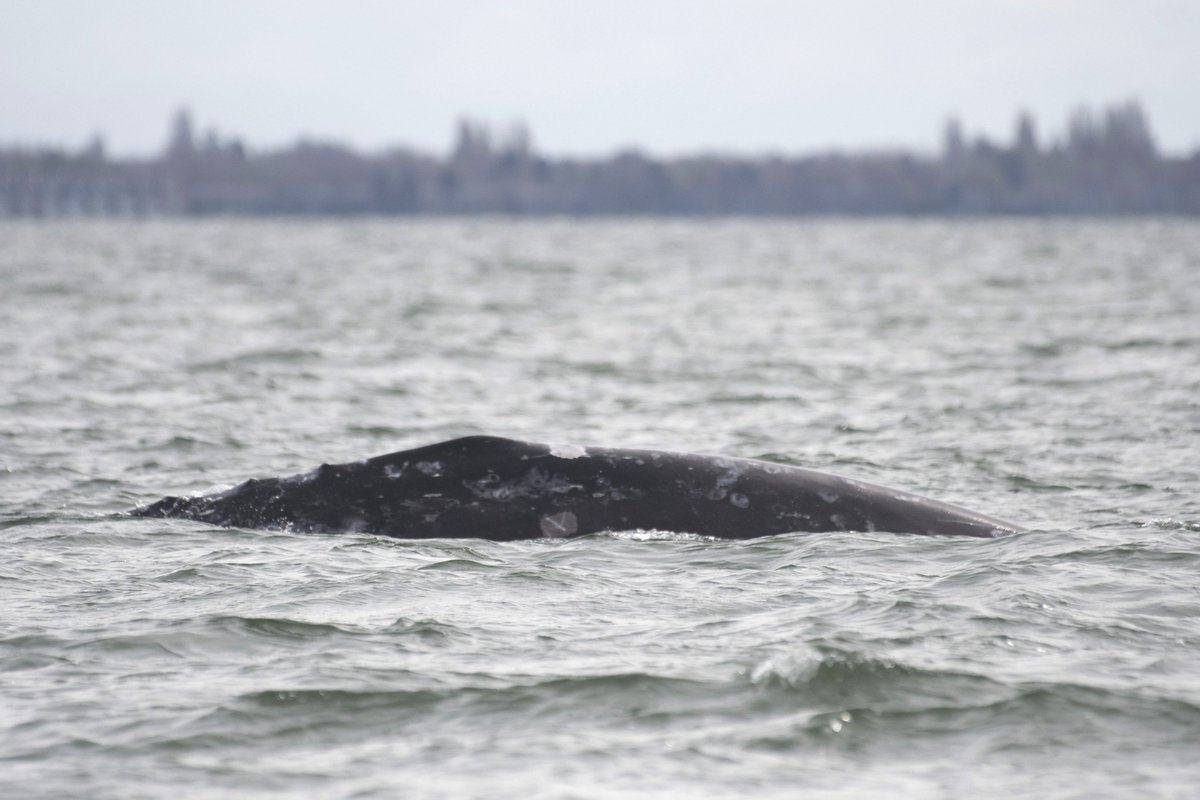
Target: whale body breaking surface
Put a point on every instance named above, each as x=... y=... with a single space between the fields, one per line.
x=501 y=489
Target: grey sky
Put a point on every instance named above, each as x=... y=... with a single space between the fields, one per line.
x=588 y=77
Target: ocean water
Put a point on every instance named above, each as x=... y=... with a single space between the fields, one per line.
x=1046 y=372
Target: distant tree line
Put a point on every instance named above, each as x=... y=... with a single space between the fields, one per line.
x=1105 y=164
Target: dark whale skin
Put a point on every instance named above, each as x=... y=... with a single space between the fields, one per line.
x=501 y=489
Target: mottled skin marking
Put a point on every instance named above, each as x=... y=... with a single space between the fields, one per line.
x=493 y=488
x=560 y=525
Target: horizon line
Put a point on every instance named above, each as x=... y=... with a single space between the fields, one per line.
x=517 y=129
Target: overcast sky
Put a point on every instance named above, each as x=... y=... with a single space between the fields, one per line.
x=668 y=76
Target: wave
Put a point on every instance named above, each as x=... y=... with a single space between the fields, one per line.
x=861 y=700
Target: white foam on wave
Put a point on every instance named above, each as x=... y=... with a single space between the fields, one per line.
x=655 y=535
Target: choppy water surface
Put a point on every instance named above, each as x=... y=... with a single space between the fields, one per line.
x=1044 y=372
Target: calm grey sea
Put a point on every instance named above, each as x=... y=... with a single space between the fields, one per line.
x=1046 y=372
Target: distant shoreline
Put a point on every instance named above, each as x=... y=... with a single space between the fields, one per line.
x=1105 y=165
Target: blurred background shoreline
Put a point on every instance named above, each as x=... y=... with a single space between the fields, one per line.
x=1106 y=163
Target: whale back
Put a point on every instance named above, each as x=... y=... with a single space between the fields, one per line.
x=495 y=488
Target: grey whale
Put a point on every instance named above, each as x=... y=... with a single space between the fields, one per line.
x=501 y=489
